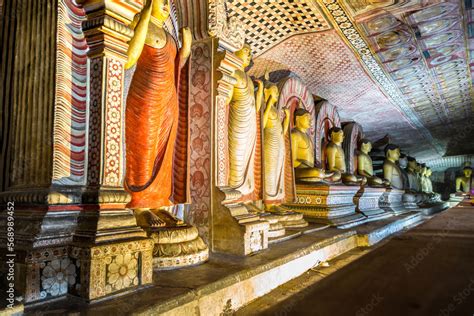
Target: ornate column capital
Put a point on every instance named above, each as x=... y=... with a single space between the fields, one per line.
x=229 y=31
x=107 y=28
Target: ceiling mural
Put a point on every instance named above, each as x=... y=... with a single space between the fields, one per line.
x=407 y=63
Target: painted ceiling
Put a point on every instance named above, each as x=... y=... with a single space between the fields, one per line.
x=399 y=67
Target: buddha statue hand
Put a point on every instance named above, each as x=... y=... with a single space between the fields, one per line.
x=316 y=175
x=185 y=51
x=377 y=182
x=350 y=179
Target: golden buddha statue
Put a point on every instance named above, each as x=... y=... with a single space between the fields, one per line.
x=391 y=171
x=463 y=183
x=274 y=131
x=413 y=181
x=302 y=152
x=244 y=106
x=365 y=165
x=335 y=159
x=423 y=179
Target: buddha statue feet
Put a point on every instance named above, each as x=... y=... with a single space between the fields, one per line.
x=147 y=218
x=177 y=247
x=287 y=217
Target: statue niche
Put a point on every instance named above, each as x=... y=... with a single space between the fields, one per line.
x=156 y=138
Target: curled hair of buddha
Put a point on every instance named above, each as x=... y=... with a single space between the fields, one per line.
x=334 y=129
x=467 y=168
x=410 y=158
x=300 y=112
x=390 y=147
x=364 y=141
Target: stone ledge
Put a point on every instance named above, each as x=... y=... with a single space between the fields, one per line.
x=374 y=232
x=227 y=282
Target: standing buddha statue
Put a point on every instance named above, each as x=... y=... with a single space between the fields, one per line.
x=336 y=159
x=156 y=141
x=244 y=106
x=365 y=165
x=274 y=131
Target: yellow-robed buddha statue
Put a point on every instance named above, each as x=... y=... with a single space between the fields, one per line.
x=391 y=171
x=463 y=183
x=274 y=131
x=365 y=165
x=335 y=159
x=413 y=180
x=302 y=152
x=244 y=106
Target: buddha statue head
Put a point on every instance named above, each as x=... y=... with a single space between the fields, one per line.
x=160 y=10
x=365 y=146
x=336 y=135
x=392 y=152
x=411 y=163
x=403 y=161
x=467 y=171
x=423 y=170
x=302 y=119
x=245 y=54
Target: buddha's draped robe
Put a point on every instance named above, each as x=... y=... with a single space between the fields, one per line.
x=152 y=119
x=242 y=137
x=274 y=157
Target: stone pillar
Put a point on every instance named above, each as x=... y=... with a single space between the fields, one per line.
x=64 y=156
x=113 y=252
x=234 y=229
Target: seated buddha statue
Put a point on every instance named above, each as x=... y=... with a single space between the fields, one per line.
x=391 y=171
x=302 y=152
x=423 y=179
x=365 y=166
x=463 y=183
x=413 y=181
x=336 y=159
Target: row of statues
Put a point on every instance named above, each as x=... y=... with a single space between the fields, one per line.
x=157 y=157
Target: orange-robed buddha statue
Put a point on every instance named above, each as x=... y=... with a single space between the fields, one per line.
x=156 y=140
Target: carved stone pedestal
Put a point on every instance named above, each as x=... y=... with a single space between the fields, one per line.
x=432 y=204
x=367 y=203
x=105 y=269
x=177 y=247
x=410 y=200
x=328 y=204
x=392 y=201
x=235 y=229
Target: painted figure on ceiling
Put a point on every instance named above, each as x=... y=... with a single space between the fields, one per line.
x=156 y=135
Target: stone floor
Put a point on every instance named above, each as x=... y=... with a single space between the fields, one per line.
x=428 y=270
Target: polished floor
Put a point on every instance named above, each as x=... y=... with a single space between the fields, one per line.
x=428 y=270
